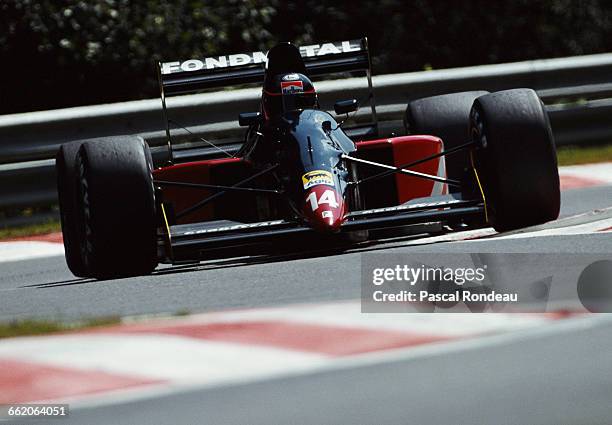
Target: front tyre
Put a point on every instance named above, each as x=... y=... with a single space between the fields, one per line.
x=515 y=158
x=117 y=208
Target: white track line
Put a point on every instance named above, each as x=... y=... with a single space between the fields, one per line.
x=25 y=250
x=601 y=172
x=167 y=357
x=580 y=229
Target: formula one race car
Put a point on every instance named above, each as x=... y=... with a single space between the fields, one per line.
x=302 y=177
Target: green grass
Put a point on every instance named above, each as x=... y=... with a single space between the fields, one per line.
x=572 y=155
x=41 y=327
x=30 y=230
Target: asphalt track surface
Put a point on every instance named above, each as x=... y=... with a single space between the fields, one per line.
x=561 y=376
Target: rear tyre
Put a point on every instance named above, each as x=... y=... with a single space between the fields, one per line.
x=515 y=158
x=65 y=168
x=447 y=117
x=117 y=208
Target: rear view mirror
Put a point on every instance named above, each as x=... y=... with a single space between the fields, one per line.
x=246 y=119
x=346 y=106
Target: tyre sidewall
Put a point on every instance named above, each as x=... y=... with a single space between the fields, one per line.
x=118 y=211
x=516 y=157
x=65 y=166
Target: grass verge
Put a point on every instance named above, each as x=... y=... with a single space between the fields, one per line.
x=30 y=327
x=574 y=155
x=30 y=230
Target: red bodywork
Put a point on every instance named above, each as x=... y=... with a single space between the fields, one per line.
x=391 y=190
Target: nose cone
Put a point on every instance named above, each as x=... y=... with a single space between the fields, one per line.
x=324 y=208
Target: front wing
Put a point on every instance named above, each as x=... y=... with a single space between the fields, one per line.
x=207 y=240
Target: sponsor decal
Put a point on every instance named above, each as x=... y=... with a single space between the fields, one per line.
x=290 y=87
x=234 y=227
x=407 y=207
x=317 y=177
x=291 y=77
x=254 y=58
x=331 y=48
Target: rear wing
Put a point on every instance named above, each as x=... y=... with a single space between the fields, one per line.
x=192 y=75
x=198 y=74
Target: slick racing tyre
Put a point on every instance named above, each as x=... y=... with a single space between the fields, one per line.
x=515 y=158
x=67 y=195
x=447 y=117
x=117 y=207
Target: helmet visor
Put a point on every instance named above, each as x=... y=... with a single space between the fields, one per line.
x=299 y=101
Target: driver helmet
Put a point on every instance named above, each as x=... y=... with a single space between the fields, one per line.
x=288 y=92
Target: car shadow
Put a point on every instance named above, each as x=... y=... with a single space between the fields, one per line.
x=270 y=258
x=67 y=282
x=369 y=246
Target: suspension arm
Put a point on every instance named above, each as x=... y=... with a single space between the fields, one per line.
x=420 y=161
x=402 y=171
x=222 y=192
x=214 y=187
